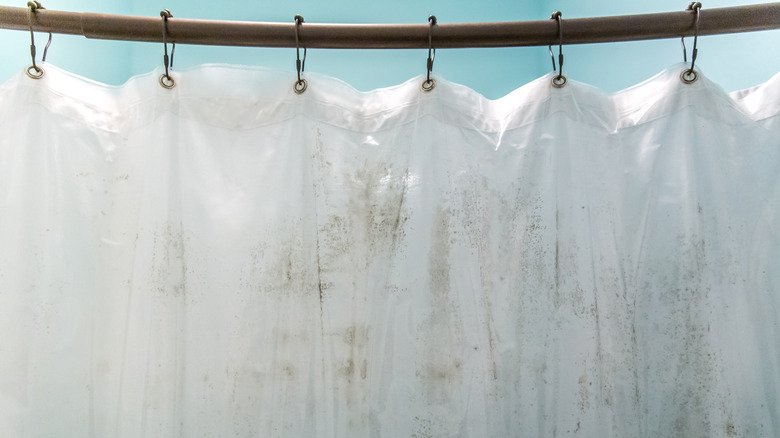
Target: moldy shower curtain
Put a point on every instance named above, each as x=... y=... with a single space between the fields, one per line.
x=228 y=258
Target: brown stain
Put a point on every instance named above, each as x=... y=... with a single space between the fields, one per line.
x=492 y=353
x=356 y=336
x=347 y=369
x=446 y=371
x=289 y=370
x=584 y=393
x=731 y=430
x=353 y=370
x=321 y=289
x=169 y=260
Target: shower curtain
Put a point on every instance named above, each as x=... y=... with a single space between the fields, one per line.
x=228 y=258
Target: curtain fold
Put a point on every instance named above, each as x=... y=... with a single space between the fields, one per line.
x=228 y=258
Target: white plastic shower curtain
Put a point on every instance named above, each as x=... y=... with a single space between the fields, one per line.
x=228 y=258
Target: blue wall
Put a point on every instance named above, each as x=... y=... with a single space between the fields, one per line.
x=734 y=61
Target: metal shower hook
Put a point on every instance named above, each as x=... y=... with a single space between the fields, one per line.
x=560 y=80
x=301 y=84
x=33 y=6
x=689 y=76
x=429 y=83
x=165 y=79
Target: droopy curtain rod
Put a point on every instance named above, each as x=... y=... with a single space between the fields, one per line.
x=397 y=36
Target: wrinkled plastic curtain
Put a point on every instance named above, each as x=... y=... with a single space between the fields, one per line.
x=228 y=258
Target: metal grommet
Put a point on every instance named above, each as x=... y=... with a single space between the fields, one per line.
x=429 y=84
x=689 y=76
x=170 y=84
x=300 y=86
x=559 y=81
x=38 y=72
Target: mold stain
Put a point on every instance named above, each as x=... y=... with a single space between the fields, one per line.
x=557 y=297
x=379 y=193
x=584 y=393
x=477 y=222
x=289 y=370
x=440 y=372
x=280 y=264
x=372 y=226
x=356 y=339
x=439 y=266
x=319 y=156
x=348 y=369
x=169 y=261
x=424 y=428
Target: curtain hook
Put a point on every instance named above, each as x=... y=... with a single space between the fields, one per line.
x=689 y=76
x=300 y=85
x=560 y=80
x=429 y=83
x=33 y=6
x=165 y=79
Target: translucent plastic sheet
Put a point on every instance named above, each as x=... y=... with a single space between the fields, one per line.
x=228 y=258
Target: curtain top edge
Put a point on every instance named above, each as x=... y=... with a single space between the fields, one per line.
x=256 y=87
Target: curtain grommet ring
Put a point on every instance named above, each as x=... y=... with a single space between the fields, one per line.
x=167 y=82
x=689 y=76
x=429 y=84
x=38 y=72
x=559 y=81
x=300 y=86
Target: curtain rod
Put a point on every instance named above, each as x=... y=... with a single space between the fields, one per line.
x=397 y=36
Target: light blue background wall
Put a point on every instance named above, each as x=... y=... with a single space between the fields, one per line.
x=735 y=61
